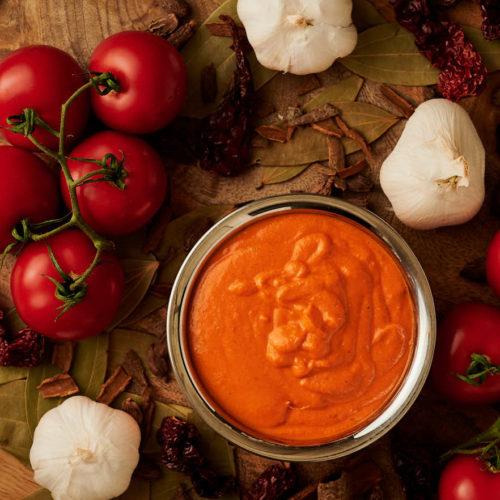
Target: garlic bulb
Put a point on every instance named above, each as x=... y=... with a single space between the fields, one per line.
x=298 y=36
x=83 y=450
x=435 y=175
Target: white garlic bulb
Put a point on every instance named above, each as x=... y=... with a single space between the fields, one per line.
x=83 y=450
x=435 y=175
x=298 y=36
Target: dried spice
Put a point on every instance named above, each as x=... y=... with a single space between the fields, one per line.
x=133 y=409
x=328 y=127
x=353 y=169
x=114 y=386
x=275 y=483
x=62 y=355
x=59 y=385
x=164 y=26
x=208 y=83
x=180 y=442
x=274 y=133
x=311 y=82
x=402 y=104
x=444 y=44
x=24 y=348
x=158 y=359
x=178 y=7
x=224 y=29
x=475 y=271
x=490 y=12
x=195 y=231
x=336 y=159
x=318 y=114
x=355 y=136
x=182 y=34
x=226 y=133
x=132 y=365
x=148 y=409
x=157 y=230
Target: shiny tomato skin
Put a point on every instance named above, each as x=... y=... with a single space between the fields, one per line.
x=469 y=328
x=43 y=78
x=28 y=190
x=33 y=292
x=493 y=264
x=152 y=77
x=106 y=208
x=466 y=478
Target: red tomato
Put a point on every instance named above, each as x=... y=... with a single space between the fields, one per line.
x=28 y=191
x=34 y=293
x=109 y=210
x=152 y=77
x=493 y=264
x=43 y=78
x=469 y=328
x=466 y=478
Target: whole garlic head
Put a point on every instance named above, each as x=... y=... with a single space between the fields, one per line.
x=435 y=175
x=83 y=450
x=298 y=36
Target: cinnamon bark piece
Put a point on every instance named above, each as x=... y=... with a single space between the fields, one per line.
x=318 y=114
x=355 y=136
x=133 y=409
x=59 y=385
x=328 y=127
x=164 y=26
x=62 y=355
x=182 y=34
x=402 y=104
x=114 y=386
x=133 y=367
x=353 y=169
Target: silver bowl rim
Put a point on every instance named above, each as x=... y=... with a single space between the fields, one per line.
x=423 y=349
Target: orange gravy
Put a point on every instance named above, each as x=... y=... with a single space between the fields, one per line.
x=300 y=328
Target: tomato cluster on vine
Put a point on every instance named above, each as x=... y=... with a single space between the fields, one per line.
x=67 y=283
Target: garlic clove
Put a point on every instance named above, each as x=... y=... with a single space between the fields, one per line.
x=298 y=36
x=435 y=175
x=83 y=450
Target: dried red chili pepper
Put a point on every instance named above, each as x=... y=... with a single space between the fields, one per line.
x=226 y=133
x=444 y=44
x=24 y=348
x=181 y=442
x=275 y=483
x=490 y=11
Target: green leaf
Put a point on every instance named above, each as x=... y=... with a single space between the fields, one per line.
x=42 y=494
x=489 y=50
x=387 y=53
x=36 y=405
x=203 y=49
x=345 y=90
x=139 y=274
x=274 y=175
x=11 y=373
x=89 y=364
x=139 y=489
x=365 y=15
x=308 y=145
x=14 y=432
x=149 y=304
x=121 y=340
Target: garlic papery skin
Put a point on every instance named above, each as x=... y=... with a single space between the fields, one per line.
x=435 y=175
x=298 y=36
x=83 y=450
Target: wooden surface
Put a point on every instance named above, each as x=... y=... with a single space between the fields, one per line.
x=77 y=26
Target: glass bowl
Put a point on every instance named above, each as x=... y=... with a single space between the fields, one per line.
x=416 y=372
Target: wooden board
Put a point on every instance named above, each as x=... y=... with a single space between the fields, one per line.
x=77 y=26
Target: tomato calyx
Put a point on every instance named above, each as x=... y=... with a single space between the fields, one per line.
x=111 y=169
x=104 y=83
x=478 y=370
x=485 y=445
x=27 y=122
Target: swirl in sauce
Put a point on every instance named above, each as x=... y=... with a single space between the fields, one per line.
x=301 y=327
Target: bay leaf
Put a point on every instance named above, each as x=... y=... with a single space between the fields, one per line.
x=149 y=304
x=11 y=373
x=203 y=49
x=308 y=145
x=345 y=90
x=365 y=15
x=139 y=489
x=36 y=405
x=387 y=53
x=139 y=274
x=15 y=436
x=489 y=50
x=276 y=174
x=89 y=364
x=41 y=494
